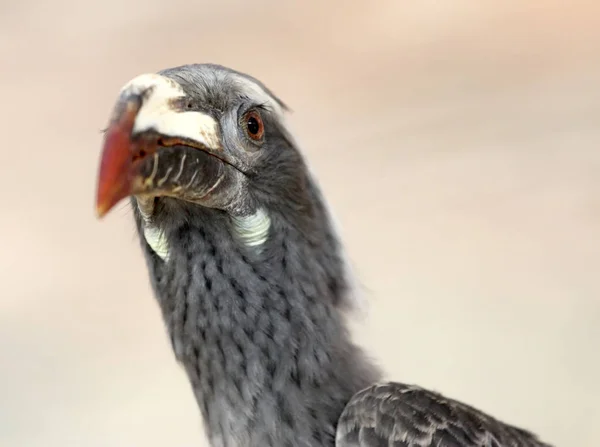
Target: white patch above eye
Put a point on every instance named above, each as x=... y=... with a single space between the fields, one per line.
x=253 y=230
x=157 y=112
x=257 y=93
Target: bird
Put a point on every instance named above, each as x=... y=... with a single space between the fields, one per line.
x=247 y=266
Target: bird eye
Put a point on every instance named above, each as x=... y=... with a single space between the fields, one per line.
x=254 y=125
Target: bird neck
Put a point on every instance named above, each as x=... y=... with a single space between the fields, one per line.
x=261 y=333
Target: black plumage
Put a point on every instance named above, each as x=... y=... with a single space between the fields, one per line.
x=250 y=275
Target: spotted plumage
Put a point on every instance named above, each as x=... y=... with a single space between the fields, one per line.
x=250 y=276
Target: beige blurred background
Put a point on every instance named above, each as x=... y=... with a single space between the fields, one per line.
x=457 y=141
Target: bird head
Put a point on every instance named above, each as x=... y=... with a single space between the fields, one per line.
x=203 y=135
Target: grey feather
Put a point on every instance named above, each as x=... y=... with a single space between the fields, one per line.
x=262 y=333
x=398 y=415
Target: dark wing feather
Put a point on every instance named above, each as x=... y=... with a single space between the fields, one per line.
x=398 y=415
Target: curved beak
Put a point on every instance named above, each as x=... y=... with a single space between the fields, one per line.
x=154 y=146
x=115 y=177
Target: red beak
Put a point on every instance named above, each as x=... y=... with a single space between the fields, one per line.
x=116 y=175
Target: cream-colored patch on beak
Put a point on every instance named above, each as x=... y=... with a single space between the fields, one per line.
x=158 y=112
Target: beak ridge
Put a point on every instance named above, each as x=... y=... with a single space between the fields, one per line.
x=115 y=178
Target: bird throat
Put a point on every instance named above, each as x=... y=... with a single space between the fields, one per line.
x=253 y=313
x=251 y=230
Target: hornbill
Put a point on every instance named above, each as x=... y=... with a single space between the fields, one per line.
x=250 y=275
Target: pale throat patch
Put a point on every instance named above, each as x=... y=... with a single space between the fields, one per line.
x=253 y=231
x=157 y=240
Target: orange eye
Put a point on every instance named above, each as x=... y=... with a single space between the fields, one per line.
x=254 y=125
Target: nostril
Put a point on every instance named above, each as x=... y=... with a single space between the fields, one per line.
x=140 y=154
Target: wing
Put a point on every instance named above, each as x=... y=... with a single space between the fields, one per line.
x=398 y=415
